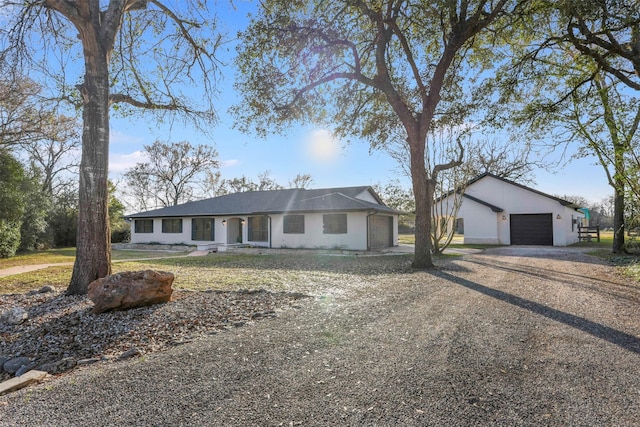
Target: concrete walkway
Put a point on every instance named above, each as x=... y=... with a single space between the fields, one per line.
x=12 y=271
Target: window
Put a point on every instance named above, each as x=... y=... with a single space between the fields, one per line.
x=202 y=229
x=258 y=229
x=144 y=226
x=172 y=225
x=293 y=224
x=334 y=223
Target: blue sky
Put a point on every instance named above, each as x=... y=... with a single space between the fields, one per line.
x=308 y=150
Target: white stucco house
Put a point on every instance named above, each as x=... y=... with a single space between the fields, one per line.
x=497 y=211
x=352 y=218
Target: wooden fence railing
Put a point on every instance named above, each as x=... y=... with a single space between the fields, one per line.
x=588 y=233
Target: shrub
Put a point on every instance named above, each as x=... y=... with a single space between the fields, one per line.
x=9 y=238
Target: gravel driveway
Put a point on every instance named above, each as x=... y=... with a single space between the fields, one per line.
x=509 y=337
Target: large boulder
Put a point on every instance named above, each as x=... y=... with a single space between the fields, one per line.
x=130 y=289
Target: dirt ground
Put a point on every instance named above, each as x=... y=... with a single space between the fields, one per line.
x=510 y=337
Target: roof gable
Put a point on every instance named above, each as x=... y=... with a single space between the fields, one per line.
x=504 y=180
x=524 y=187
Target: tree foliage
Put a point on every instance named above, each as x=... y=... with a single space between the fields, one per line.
x=215 y=185
x=37 y=202
x=394 y=195
x=22 y=111
x=301 y=180
x=608 y=32
x=12 y=203
x=171 y=174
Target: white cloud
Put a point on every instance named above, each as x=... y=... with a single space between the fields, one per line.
x=229 y=163
x=322 y=147
x=120 y=162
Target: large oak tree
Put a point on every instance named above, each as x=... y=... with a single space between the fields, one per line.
x=371 y=69
x=130 y=53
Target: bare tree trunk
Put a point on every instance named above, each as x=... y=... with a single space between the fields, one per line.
x=422 y=254
x=618 y=218
x=93 y=257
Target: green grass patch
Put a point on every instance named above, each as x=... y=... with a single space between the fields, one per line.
x=58 y=277
x=406 y=239
x=57 y=256
x=606 y=242
x=51 y=256
x=632 y=271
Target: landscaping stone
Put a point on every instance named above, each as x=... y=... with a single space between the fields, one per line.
x=130 y=289
x=46 y=289
x=13 y=365
x=23 y=369
x=59 y=366
x=130 y=353
x=3 y=360
x=14 y=316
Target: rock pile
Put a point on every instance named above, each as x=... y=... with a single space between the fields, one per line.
x=60 y=332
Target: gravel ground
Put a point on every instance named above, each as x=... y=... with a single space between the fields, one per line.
x=509 y=337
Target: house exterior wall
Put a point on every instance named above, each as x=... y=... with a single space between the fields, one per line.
x=354 y=239
x=483 y=226
x=480 y=223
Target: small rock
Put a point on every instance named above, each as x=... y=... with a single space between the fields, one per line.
x=3 y=360
x=46 y=289
x=59 y=366
x=130 y=353
x=14 y=316
x=13 y=365
x=23 y=370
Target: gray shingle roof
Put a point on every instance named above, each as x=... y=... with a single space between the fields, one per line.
x=275 y=201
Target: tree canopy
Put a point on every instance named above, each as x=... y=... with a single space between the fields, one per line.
x=171 y=174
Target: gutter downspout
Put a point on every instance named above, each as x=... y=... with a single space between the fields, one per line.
x=270 y=236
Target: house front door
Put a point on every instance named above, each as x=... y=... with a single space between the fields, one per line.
x=234 y=231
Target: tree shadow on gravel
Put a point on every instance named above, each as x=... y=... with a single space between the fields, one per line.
x=615 y=289
x=622 y=339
